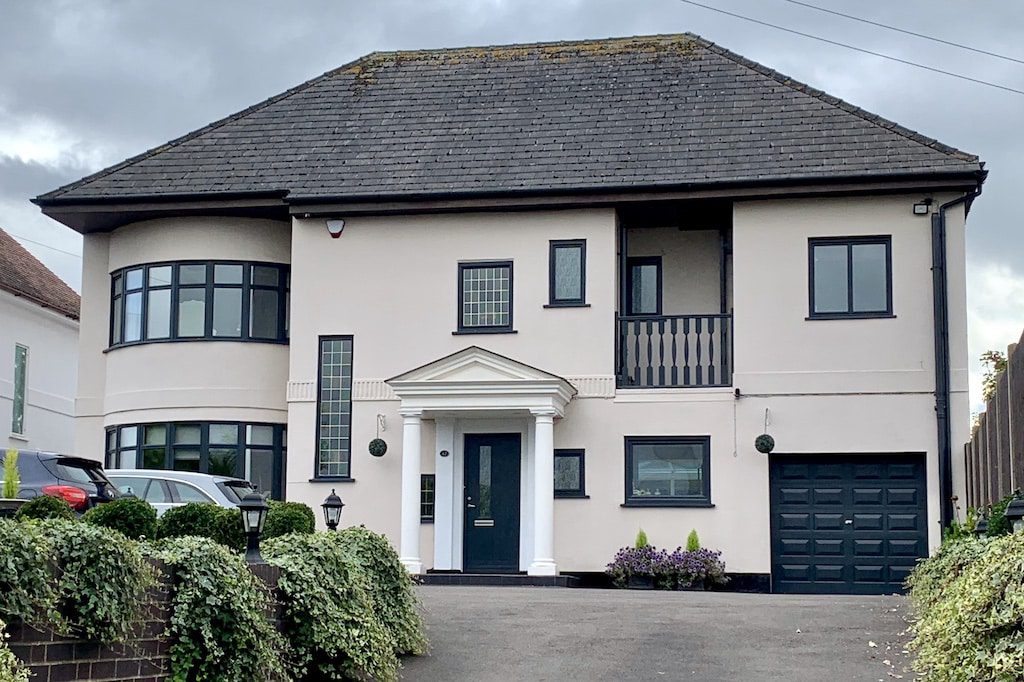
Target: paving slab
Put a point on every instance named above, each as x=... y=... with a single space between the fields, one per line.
x=537 y=634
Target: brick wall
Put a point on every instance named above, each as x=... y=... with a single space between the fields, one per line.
x=144 y=657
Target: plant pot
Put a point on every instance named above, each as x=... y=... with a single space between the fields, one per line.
x=8 y=506
x=640 y=582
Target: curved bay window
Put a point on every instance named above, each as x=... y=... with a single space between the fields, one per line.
x=255 y=452
x=199 y=300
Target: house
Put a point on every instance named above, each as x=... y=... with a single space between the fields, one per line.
x=38 y=353
x=567 y=285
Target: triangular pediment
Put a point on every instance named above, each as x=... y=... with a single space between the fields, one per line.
x=474 y=365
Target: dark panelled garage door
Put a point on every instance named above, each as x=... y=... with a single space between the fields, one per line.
x=846 y=524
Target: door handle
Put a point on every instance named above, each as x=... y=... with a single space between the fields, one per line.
x=848 y=522
x=469 y=505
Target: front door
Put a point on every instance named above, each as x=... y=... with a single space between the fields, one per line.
x=491 y=491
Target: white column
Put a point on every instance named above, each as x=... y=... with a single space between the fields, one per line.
x=544 y=495
x=410 y=540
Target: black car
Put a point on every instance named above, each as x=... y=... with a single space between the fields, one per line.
x=79 y=482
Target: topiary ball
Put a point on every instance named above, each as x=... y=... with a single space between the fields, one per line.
x=134 y=517
x=378 y=447
x=45 y=507
x=764 y=443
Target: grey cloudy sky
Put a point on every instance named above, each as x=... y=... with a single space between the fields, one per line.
x=86 y=84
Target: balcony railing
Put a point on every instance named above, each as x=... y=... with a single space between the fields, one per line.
x=674 y=351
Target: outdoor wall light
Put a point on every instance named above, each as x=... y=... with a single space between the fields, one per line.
x=981 y=528
x=332 y=507
x=334 y=227
x=253 y=509
x=1015 y=514
x=922 y=207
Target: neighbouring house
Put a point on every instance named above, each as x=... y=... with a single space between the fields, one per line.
x=568 y=285
x=38 y=353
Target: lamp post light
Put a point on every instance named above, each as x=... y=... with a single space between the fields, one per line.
x=254 y=514
x=1015 y=514
x=332 y=510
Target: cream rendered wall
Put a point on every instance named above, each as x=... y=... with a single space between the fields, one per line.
x=690 y=264
x=227 y=380
x=52 y=341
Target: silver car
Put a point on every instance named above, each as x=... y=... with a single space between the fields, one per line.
x=167 y=489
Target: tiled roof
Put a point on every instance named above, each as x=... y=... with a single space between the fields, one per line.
x=23 y=275
x=624 y=113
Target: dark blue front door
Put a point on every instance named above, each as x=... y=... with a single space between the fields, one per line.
x=491 y=524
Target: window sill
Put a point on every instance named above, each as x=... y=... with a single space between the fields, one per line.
x=572 y=496
x=428 y=521
x=566 y=305
x=467 y=332
x=850 y=316
x=696 y=504
x=332 y=479
x=219 y=339
x=19 y=437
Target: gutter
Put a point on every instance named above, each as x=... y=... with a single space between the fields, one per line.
x=941 y=329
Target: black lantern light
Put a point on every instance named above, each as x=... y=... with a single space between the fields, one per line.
x=981 y=528
x=254 y=514
x=1015 y=514
x=332 y=510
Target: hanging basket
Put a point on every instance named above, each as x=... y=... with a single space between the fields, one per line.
x=378 y=447
x=764 y=443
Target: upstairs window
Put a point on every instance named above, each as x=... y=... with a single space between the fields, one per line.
x=225 y=300
x=567 y=277
x=485 y=297
x=334 y=407
x=643 y=286
x=850 y=277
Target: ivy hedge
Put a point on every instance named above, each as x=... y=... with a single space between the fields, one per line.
x=349 y=608
x=969 y=604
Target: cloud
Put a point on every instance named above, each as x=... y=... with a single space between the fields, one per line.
x=995 y=316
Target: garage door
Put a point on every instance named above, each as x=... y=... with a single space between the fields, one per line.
x=846 y=524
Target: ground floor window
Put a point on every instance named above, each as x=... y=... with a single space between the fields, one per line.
x=569 y=478
x=427 y=498
x=669 y=471
x=255 y=452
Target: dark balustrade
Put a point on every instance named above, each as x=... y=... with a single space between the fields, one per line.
x=674 y=351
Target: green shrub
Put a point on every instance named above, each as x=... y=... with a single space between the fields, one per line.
x=204 y=520
x=997 y=523
x=11 y=669
x=393 y=592
x=933 y=576
x=12 y=479
x=974 y=629
x=641 y=540
x=101 y=581
x=219 y=627
x=26 y=572
x=331 y=619
x=288 y=517
x=957 y=531
x=133 y=517
x=46 y=507
x=692 y=541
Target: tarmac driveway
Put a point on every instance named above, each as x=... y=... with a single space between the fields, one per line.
x=536 y=633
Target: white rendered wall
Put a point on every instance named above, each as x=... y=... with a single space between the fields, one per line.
x=52 y=341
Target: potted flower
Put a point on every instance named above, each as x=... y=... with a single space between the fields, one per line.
x=633 y=567
x=9 y=501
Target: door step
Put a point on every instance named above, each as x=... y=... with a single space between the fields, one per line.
x=498 y=579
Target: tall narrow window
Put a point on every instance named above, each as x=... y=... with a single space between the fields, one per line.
x=643 y=285
x=485 y=297
x=850 y=277
x=567 y=277
x=427 y=498
x=334 y=408
x=20 y=383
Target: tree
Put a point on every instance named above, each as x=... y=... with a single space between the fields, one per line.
x=995 y=364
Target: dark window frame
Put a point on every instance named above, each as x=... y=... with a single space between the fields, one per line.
x=704 y=500
x=119 y=295
x=581 y=491
x=493 y=329
x=849 y=243
x=428 y=517
x=634 y=261
x=278 y=449
x=553 y=300
x=319 y=383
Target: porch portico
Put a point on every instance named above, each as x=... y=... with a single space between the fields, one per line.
x=480 y=393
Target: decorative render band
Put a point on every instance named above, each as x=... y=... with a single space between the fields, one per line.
x=375 y=389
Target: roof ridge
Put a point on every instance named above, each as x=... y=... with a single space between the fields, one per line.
x=55 y=194
x=662 y=37
x=834 y=101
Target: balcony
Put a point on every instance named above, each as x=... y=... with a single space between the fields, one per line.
x=675 y=267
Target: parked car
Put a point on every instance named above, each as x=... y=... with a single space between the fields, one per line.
x=80 y=482
x=166 y=489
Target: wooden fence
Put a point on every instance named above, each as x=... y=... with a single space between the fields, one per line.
x=995 y=454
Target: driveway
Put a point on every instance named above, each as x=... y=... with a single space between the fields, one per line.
x=534 y=634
